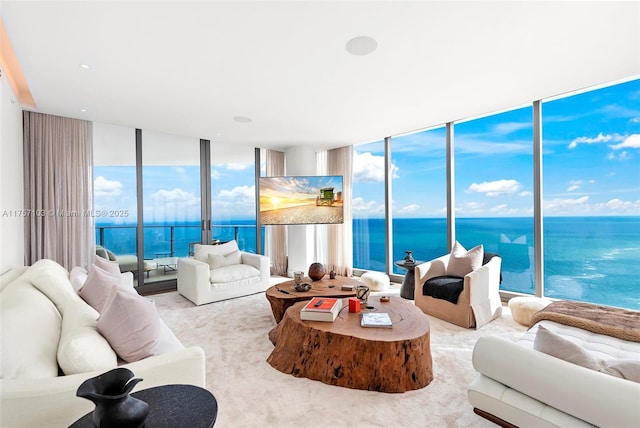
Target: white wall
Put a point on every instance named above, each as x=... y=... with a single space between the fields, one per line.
x=300 y=238
x=11 y=179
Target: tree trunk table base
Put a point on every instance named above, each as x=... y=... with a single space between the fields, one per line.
x=283 y=295
x=343 y=353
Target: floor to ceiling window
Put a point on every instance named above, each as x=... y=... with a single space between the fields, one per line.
x=369 y=234
x=419 y=193
x=114 y=192
x=591 y=188
x=494 y=191
x=171 y=200
x=233 y=201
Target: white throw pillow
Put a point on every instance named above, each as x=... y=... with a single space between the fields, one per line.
x=200 y=251
x=82 y=349
x=30 y=333
x=463 y=262
x=78 y=277
x=131 y=324
x=217 y=261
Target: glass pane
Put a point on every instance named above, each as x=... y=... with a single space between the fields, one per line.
x=233 y=197
x=494 y=191
x=591 y=194
x=114 y=193
x=419 y=189
x=171 y=195
x=368 y=207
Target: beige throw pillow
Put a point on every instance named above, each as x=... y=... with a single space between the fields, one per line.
x=553 y=344
x=463 y=262
x=217 y=261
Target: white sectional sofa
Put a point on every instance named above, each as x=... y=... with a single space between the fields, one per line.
x=220 y=272
x=525 y=387
x=44 y=327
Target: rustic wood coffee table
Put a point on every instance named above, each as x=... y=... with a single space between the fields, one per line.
x=343 y=353
x=283 y=295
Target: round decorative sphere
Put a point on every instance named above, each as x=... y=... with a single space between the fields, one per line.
x=316 y=271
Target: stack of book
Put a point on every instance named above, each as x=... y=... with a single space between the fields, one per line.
x=321 y=309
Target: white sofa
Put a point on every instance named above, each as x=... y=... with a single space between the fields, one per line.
x=38 y=308
x=220 y=272
x=529 y=388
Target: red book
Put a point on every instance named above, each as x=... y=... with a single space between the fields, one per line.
x=320 y=304
x=321 y=309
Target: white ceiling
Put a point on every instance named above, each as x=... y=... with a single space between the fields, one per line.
x=189 y=68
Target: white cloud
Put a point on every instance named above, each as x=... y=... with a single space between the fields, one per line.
x=240 y=197
x=106 y=188
x=496 y=188
x=573 y=187
x=411 y=208
x=525 y=193
x=368 y=168
x=632 y=142
x=601 y=138
x=359 y=205
x=175 y=196
x=238 y=166
x=215 y=174
x=509 y=127
x=619 y=206
x=560 y=205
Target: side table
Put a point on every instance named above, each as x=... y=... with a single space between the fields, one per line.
x=408 y=284
x=172 y=406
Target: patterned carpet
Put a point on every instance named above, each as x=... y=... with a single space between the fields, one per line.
x=251 y=393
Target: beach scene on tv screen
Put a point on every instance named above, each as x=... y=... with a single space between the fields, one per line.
x=301 y=200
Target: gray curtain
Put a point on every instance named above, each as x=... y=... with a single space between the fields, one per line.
x=340 y=236
x=58 y=189
x=276 y=236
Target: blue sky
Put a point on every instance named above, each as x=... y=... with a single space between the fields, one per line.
x=591 y=162
x=591 y=166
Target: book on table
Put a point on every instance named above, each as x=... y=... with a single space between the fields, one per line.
x=376 y=319
x=321 y=309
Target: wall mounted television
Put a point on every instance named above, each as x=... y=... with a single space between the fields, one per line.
x=301 y=199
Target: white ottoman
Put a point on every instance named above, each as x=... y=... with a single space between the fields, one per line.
x=376 y=281
x=524 y=307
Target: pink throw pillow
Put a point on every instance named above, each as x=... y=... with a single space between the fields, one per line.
x=97 y=286
x=131 y=325
x=107 y=265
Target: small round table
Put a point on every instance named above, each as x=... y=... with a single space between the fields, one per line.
x=408 y=284
x=172 y=406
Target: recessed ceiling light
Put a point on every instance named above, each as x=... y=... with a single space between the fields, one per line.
x=83 y=110
x=362 y=45
x=242 y=119
x=85 y=66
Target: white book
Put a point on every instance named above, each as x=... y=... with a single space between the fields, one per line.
x=376 y=319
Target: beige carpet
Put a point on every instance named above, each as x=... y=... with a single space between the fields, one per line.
x=251 y=393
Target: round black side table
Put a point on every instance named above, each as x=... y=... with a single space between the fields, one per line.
x=172 y=406
x=408 y=284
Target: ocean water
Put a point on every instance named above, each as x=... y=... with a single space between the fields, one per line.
x=593 y=259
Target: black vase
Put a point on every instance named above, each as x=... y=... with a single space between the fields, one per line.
x=408 y=258
x=114 y=406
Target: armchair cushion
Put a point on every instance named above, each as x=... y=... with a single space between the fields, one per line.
x=462 y=262
x=201 y=252
x=232 y=273
x=444 y=287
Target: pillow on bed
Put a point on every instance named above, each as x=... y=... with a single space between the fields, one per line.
x=463 y=262
x=552 y=344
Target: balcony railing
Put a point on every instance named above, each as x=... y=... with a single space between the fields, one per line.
x=171 y=240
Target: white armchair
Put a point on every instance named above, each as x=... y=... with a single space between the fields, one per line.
x=478 y=302
x=220 y=272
